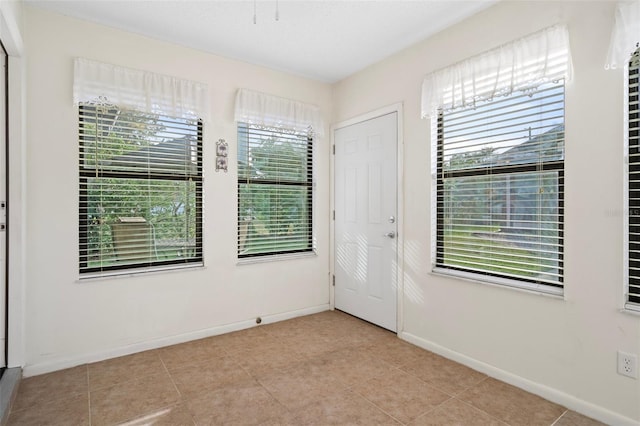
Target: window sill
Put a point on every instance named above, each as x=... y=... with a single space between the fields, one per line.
x=275 y=258
x=631 y=309
x=530 y=288
x=131 y=273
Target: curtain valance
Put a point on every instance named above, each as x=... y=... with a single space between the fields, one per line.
x=140 y=90
x=625 y=35
x=275 y=112
x=522 y=65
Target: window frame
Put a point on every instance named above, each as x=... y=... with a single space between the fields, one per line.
x=85 y=174
x=439 y=210
x=309 y=184
x=632 y=72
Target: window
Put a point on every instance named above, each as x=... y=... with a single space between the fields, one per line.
x=275 y=191
x=140 y=189
x=633 y=129
x=498 y=162
x=140 y=169
x=499 y=187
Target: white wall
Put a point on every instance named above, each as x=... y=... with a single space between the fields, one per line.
x=70 y=322
x=565 y=348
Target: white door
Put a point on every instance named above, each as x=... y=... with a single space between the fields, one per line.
x=365 y=220
x=3 y=205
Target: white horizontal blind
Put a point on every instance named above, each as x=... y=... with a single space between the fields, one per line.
x=500 y=180
x=634 y=178
x=275 y=191
x=140 y=190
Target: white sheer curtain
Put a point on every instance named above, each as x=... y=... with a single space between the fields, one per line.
x=625 y=35
x=522 y=65
x=278 y=113
x=141 y=90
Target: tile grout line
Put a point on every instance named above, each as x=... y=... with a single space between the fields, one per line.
x=289 y=410
x=473 y=406
x=173 y=382
x=305 y=358
x=88 y=393
x=376 y=405
x=452 y=394
x=480 y=409
x=256 y=380
x=311 y=358
x=561 y=416
x=137 y=379
x=432 y=409
x=351 y=388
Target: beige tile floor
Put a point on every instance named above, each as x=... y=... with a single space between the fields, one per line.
x=322 y=369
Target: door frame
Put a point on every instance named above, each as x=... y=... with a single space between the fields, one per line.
x=398 y=109
x=11 y=36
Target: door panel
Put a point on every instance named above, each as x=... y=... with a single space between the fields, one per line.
x=3 y=205
x=365 y=225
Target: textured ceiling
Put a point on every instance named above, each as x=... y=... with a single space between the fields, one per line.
x=322 y=40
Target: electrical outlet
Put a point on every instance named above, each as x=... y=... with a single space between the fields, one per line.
x=628 y=364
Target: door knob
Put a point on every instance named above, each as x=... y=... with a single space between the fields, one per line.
x=390 y=234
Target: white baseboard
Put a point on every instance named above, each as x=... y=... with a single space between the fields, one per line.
x=551 y=394
x=75 y=360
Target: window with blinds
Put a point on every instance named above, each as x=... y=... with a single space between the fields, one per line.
x=499 y=189
x=140 y=190
x=275 y=191
x=633 y=125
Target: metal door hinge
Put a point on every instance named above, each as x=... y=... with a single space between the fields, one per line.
x=334 y=150
x=334 y=215
x=333 y=280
